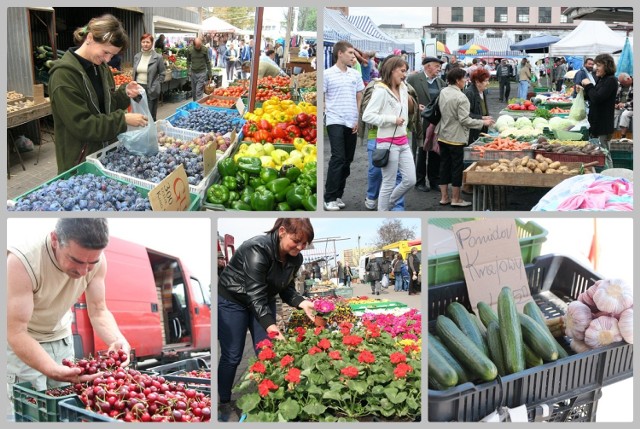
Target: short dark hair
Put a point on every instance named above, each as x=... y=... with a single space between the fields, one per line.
x=340 y=46
x=480 y=75
x=293 y=225
x=474 y=61
x=90 y=233
x=455 y=74
x=607 y=62
x=270 y=52
x=246 y=65
x=146 y=36
x=588 y=59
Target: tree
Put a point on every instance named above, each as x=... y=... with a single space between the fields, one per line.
x=308 y=19
x=241 y=17
x=392 y=230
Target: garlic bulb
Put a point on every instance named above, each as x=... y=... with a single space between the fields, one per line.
x=613 y=296
x=586 y=297
x=578 y=346
x=625 y=324
x=577 y=320
x=602 y=331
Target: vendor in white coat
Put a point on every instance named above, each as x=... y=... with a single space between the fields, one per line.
x=388 y=109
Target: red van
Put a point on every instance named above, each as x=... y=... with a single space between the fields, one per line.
x=163 y=311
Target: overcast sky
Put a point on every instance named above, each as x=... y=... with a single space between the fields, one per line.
x=411 y=17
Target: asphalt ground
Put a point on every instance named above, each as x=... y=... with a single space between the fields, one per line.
x=517 y=198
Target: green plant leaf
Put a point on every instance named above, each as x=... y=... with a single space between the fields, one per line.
x=359 y=387
x=388 y=412
x=399 y=398
x=332 y=394
x=377 y=390
x=243 y=386
x=248 y=402
x=391 y=392
x=386 y=404
x=315 y=390
x=412 y=403
x=279 y=394
x=315 y=409
x=316 y=379
x=289 y=409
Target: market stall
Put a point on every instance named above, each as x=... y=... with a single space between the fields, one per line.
x=534 y=350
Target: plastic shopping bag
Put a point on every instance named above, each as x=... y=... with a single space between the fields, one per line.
x=385 y=281
x=143 y=141
x=579 y=108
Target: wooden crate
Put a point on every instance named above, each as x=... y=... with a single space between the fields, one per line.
x=29 y=114
x=472 y=177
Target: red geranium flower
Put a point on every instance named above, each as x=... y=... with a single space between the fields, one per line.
x=286 y=361
x=398 y=357
x=264 y=343
x=366 y=356
x=351 y=340
x=313 y=350
x=293 y=376
x=300 y=330
x=300 y=338
x=272 y=334
x=402 y=369
x=350 y=371
x=411 y=348
x=266 y=354
x=258 y=367
x=317 y=330
x=324 y=344
x=335 y=355
x=265 y=386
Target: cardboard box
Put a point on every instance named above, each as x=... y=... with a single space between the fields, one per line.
x=38 y=93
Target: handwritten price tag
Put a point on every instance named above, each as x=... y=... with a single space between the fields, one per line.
x=209 y=157
x=240 y=106
x=172 y=193
x=491 y=259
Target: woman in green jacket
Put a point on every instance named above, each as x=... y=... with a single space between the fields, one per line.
x=88 y=111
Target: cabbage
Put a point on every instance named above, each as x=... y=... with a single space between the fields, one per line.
x=540 y=123
x=503 y=122
x=523 y=123
x=558 y=123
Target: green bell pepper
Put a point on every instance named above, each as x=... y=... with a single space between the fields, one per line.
x=291 y=172
x=227 y=167
x=310 y=180
x=283 y=207
x=262 y=199
x=310 y=167
x=233 y=196
x=310 y=203
x=282 y=195
x=246 y=193
x=267 y=174
x=243 y=179
x=240 y=205
x=296 y=195
x=230 y=182
x=217 y=194
x=254 y=182
x=249 y=164
x=278 y=185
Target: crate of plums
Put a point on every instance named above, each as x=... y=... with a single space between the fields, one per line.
x=86 y=188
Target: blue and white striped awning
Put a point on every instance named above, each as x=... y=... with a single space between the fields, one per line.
x=365 y=24
x=337 y=27
x=498 y=47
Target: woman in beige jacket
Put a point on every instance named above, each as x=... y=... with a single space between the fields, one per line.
x=453 y=134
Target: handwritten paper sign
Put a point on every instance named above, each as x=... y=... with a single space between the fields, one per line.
x=491 y=259
x=172 y=194
x=240 y=106
x=209 y=157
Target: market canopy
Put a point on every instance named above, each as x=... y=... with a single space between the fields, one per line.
x=589 y=38
x=608 y=14
x=217 y=25
x=365 y=24
x=497 y=47
x=535 y=44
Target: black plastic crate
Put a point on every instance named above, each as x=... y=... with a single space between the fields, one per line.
x=554 y=281
x=176 y=372
x=73 y=410
x=43 y=409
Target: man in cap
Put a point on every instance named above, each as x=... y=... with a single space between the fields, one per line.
x=427 y=85
x=504 y=71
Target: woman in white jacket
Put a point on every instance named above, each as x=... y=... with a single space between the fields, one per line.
x=388 y=109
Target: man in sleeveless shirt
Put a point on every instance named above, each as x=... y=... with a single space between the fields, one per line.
x=45 y=278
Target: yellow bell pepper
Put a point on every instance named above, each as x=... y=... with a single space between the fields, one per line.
x=299 y=143
x=267 y=161
x=279 y=156
x=281 y=117
x=310 y=158
x=259 y=111
x=243 y=147
x=287 y=103
x=308 y=149
x=294 y=161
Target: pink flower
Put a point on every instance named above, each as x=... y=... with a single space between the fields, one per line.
x=323 y=306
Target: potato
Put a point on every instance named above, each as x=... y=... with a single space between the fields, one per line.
x=532 y=165
x=555 y=165
x=539 y=158
x=524 y=161
x=563 y=168
x=574 y=171
x=495 y=165
x=504 y=161
x=526 y=170
x=516 y=160
x=543 y=166
x=537 y=171
x=550 y=171
x=548 y=160
x=520 y=169
x=565 y=172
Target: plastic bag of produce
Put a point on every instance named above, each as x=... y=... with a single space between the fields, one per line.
x=578 y=109
x=143 y=141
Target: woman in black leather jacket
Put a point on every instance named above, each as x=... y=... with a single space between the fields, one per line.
x=262 y=268
x=477 y=95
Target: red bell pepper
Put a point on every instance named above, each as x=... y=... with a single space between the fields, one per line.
x=262 y=136
x=279 y=132
x=293 y=131
x=264 y=125
x=302 y=120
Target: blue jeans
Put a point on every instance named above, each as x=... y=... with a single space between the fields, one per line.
x=374 y=179
x=233 y=322
x=397 y=283
x=405 y=283
x=523 y=89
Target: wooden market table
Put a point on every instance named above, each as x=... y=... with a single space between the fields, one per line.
x=21 y=117
x=490 y=189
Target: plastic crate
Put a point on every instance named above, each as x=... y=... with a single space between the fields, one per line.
x=562 y=157
x=447 y=267
x=175 y=371
x=87 y=167
x=473 y=155
x=44 y=410
x=192 y=105
x=622 y=159
x=330 y=292
x=570 y=386
x=345 y=292
x=376 y=305
x=237 y=123
x=73 y=410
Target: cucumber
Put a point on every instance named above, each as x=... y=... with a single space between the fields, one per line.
x=481 y=328
x=495 y=347
x=510 y=332
x=532 y=310
x=486 y=314
x=539 y=339
x=439 y=370
x=465 y=322
x=451 y=360
x=465 y=350
x=435 y=384
x=530 y=358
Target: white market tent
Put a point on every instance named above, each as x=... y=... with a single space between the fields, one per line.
x=217 y=25
x=589 y=38
x=365 y=24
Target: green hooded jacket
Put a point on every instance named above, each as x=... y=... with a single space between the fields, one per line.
x=79 y=127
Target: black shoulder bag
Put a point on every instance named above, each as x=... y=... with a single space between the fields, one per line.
x=380 y=157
